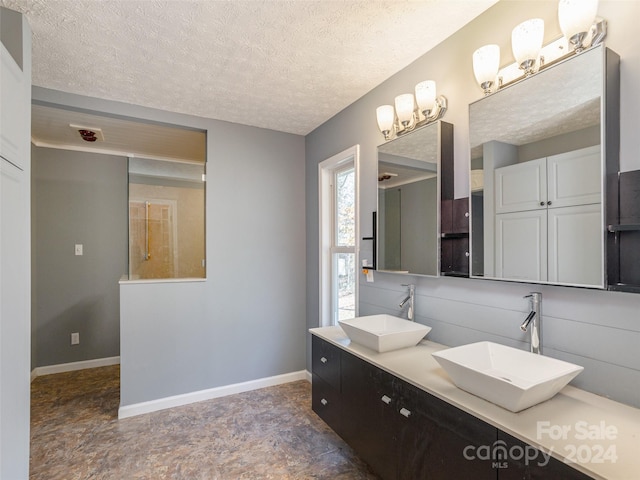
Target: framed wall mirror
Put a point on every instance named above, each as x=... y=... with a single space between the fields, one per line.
x=541 y=150
x=409 y=203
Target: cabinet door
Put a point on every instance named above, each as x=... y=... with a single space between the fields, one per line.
x=521 y=245
x=368 y=421
x=325 y=361
x=574 y=178
x=438 y=441
x=446 y=216
x=521 y=187
x=326 y=398
x=384 y=455
x=576 y=236
x=461 y=215
x=325 y=401
x=13 y=124
x=536 y=467
x=14 y=318
x=417 y=438
x=358 y=400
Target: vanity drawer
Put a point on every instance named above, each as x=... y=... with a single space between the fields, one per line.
x=325 y=361
x=325 y=401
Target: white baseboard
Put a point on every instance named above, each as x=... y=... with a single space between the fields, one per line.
x=70 y=367
x=309 y=376
x=187 y=398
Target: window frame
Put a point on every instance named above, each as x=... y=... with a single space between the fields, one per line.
x=327 y=173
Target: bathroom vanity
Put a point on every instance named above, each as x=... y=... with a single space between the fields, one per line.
x=405 y=418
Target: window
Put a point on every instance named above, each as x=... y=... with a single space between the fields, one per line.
x=166 y=219
x=338 y=234
x=343 y=250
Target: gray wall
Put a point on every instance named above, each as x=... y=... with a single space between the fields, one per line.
x=81 y=198
x=246 y=321
x=407 y=217
x=419 y=216
x=599 y=330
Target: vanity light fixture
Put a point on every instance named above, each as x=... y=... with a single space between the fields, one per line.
x=581 y=29
x=386 y=116
x=411 y=111
x=426 y=97
x=526 y=42
x=405 y=106
x=486 y=63
x=576 y=18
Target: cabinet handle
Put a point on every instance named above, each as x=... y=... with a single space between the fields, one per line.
x=542 y=204
x=324 y=402
x=466 y=214
x=466 y=254
x=549 y=202
x=404 y=412
x=323 y=359
x=386 y=399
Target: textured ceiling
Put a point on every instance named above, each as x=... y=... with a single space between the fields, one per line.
x=561 y=99
x=409 y=158
x=283 y=65
x=58 y=128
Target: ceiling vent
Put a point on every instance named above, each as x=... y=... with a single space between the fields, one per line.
x=386 y=176
x=88 y=134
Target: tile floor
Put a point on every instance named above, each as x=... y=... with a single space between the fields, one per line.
x=264 y=434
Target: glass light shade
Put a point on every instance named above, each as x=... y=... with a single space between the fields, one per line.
x=404 y=108
x=526 y=41
x=486 y=63
x=426 y=95
x=386 y=116
x=576 y=16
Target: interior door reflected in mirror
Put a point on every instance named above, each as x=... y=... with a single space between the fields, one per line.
x=409 y=203
x=537 y=183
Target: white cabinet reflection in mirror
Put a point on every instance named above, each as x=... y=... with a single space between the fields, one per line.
x=548 y=224
x=548 y=149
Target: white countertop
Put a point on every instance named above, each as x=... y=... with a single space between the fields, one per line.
x=600 y=435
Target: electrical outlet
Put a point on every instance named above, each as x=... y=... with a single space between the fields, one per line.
x=78 y=249
x=75 y=338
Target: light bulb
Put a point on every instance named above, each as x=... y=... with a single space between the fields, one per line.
x=575 y=18
x=385 y=116
x=426 y=96
x=526 y=42
x=404 y=108
x=486 y=63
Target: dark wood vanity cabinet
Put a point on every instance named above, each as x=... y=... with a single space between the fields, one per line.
x=368 y=417
x=399 y=430
x=432 y=436
x=326 y=394
x=405 y=433
x=535 y=469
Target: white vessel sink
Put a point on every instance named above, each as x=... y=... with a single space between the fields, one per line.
x=384 y=333
x=506 y=376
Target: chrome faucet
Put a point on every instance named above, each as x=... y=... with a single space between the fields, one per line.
x=533 y=321
x=411 y=299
